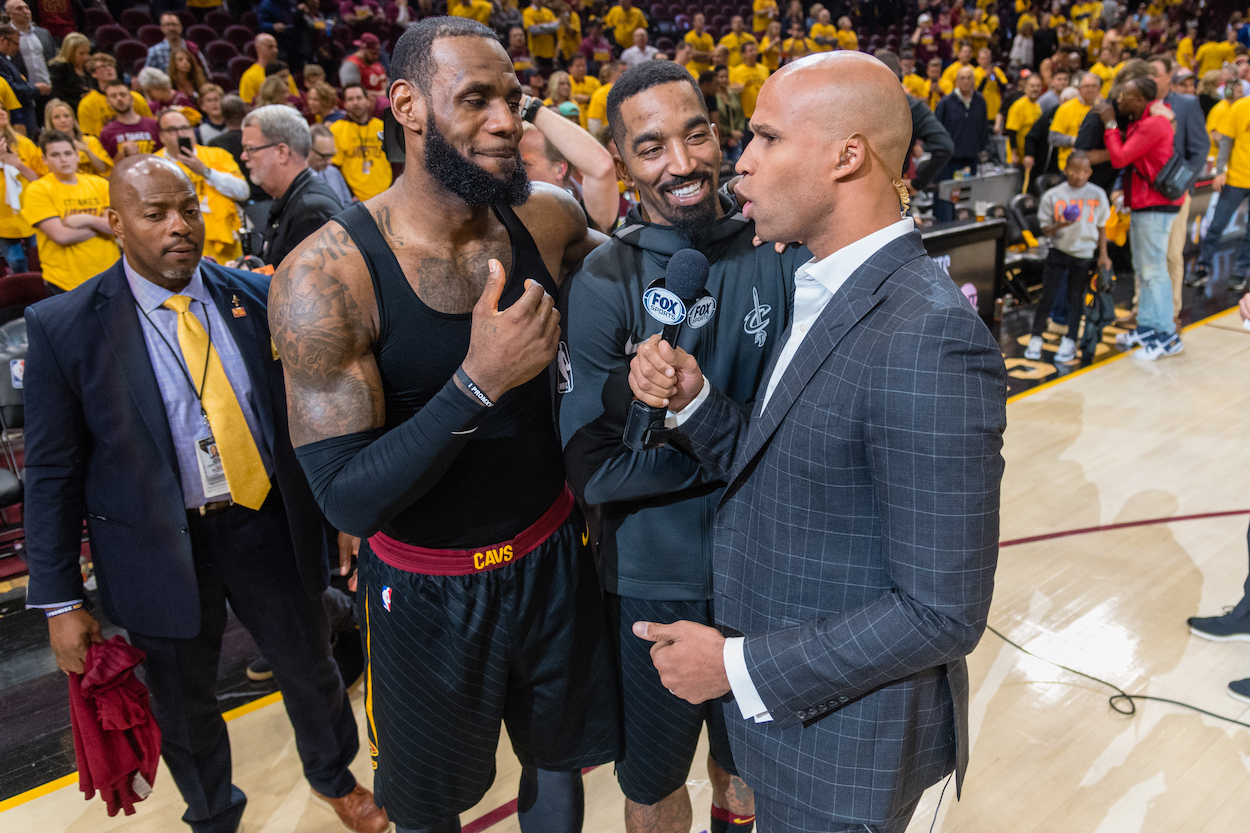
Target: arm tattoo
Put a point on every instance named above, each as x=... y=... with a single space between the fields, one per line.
x=322 y=336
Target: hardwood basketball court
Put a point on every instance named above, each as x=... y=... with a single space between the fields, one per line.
x=1118 y=443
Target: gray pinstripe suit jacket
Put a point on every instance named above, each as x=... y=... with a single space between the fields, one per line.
x=857 y=540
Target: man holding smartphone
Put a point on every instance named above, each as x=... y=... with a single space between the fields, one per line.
x=219 y=184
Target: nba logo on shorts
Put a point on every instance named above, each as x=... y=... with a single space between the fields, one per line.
x=386 y=598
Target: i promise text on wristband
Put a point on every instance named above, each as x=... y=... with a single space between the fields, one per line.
x=57 y=611
x=473 y=389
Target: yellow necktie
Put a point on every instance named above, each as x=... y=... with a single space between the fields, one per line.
x=240 y=459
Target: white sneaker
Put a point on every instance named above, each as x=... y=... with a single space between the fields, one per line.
x=1034 y=351
x=1157 y=348
x=1133 y=338
x=1067 y=351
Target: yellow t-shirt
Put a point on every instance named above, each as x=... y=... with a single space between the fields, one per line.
x=979 y=34
x=1185 y=53
x=587 y=87
x=735 y=43
x=249 y=84
x=1021 y=117
x=598 y=108
x=992 y=91
x=84 y=163
x=1213 y=55
x=916 y=86
x=751 y=79
x=1067 y=121
x=1216 y=122
x=361 y=157
x=541 y=46
x=759 y=21
x=1237 y=122
x=12 y=224
x=94 y=111
x=823 y=30
x=770 y=53
x=569 y=37
x=221 y=220
x=792 y=48
x=478 y=10
x=1095 y=38
x=847 y=39
x=700 y=43
x=624 y=23
x=947 y=81
x=48 y=197
x=8 y=98
x=1106 y=73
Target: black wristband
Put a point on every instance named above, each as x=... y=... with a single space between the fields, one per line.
x=473 y=389
x=530 y=112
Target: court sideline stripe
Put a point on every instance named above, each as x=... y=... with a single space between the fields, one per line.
x=1081 y=372
x=506 y=810
x=66 y=780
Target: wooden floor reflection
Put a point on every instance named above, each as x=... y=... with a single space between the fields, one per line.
x=1125 y=441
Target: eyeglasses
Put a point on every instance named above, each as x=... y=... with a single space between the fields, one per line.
x=316 y=152
x=185 y=129
x=251 y=149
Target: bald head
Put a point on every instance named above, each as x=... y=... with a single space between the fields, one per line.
x=813 y=163
x=851 y=92
x=155 y=213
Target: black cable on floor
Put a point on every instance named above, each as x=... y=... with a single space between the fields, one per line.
x=1121 y=701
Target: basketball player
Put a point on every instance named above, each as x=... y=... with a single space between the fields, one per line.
x=414 y=330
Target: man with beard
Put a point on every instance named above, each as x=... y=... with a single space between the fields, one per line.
x=656 y=506
x=857 y=539
x=361 y=156
x=422 y=416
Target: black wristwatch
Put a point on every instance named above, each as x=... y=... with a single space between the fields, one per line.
x=530 y=108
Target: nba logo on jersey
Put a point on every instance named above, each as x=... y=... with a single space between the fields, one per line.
x=386 y=598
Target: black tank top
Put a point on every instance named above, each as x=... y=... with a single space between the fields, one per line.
x=510 y=471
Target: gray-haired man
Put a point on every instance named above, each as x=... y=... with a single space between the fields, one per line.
x=276 y=141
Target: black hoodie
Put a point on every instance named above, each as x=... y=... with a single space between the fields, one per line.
x=656 y=507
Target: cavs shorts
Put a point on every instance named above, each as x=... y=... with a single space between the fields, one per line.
x=661 y=730
x=521 y=639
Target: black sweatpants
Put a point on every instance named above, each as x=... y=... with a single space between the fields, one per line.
x=1077 y=271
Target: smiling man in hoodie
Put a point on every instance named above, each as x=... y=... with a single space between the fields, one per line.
x=656 y=506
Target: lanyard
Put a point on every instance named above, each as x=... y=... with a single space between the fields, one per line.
x=181 y=360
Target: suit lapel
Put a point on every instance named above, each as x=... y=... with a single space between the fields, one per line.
x=119 y=321
x=252 y=343
x=863 y=291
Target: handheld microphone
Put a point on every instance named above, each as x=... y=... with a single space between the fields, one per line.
x=667 y=301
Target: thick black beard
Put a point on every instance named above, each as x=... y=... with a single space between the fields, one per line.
x=696 y=223
x=471 y=183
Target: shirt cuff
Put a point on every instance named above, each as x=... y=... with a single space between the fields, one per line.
x=745 y=695
x=674 y=419
x=54 y=605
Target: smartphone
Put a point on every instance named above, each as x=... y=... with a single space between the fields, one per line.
x=184 y=144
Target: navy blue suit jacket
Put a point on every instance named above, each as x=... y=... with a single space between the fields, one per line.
x=98 y=445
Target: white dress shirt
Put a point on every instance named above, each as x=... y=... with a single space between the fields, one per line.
x=815 y=284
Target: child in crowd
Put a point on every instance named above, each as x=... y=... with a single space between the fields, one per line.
x=1074 y=216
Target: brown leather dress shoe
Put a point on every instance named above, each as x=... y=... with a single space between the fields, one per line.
x=357 y=811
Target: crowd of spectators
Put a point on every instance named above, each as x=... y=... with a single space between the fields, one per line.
x=1015 y=82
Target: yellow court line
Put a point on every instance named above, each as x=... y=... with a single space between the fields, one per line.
x=53 y=786
x=1108 y=361
x=43 y=789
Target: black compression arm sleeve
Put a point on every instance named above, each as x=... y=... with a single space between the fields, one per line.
x=363 y=480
